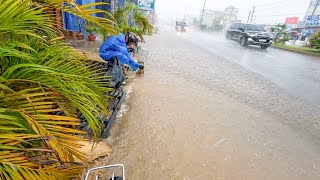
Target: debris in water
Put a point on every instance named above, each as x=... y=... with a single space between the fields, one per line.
x=219 y=142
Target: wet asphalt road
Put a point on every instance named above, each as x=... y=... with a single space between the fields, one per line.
x=297 y=73
x=209 y=109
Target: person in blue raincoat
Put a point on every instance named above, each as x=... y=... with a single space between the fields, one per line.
x=117 y=46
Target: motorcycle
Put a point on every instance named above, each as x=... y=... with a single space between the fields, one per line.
x=113 y=176
x=117 y=98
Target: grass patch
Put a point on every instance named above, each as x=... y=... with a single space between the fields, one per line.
x=305 y=50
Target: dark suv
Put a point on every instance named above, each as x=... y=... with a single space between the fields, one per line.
x=249 y=34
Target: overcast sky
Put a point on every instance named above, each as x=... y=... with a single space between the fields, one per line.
x=267 y=11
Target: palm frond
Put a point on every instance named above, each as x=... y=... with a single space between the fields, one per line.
x=18 y=18
x=43 y=83
x=141 y=25
x=32 y=134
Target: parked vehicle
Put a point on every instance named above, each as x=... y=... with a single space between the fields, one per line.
x=249 y=34
x=181 y=26
x=104 y=175
x=116 y=72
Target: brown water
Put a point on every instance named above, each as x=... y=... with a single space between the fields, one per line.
x=181 y=125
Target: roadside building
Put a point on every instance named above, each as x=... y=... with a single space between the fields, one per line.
x=224 y=17
x=210 y=15
x=231 y=14
x=311 y=21
x=111 y=6
x=148 y=9
x=69 y=22
x=192 y=20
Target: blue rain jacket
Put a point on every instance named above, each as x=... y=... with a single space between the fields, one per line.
x=115 y=46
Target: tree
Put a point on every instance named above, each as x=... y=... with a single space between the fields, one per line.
x=315 y=40
x=216 y=24
x=280 y=31
x=196 y=22
x=43 y=83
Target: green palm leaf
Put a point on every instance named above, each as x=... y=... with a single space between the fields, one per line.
x=43 y=83
x=141 y=25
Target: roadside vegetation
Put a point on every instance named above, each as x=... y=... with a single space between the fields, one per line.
x=280 y=32
x=216 y=25
x=305 y=50
x=281 y=35
x=130 y=19
x=43 y=84
x=315 y=40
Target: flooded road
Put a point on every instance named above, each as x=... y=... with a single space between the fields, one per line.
x=198 y=115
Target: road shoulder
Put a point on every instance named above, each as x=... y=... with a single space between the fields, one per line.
x=307 y=51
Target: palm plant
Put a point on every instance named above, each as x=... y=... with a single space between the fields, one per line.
x=43 y=83
x=140 y=25
x=143 y=24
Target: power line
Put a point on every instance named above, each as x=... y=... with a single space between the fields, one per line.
x=280 y=7
x=273 y=10
x=278 y=2
x=276 y=11
x=277 y=15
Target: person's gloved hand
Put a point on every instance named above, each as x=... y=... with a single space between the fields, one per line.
x=140 y=70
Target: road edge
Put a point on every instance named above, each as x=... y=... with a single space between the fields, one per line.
x=297 y=51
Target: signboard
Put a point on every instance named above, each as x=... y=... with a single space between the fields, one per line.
x=146 y=4
x=292 y=20
x=313 y=20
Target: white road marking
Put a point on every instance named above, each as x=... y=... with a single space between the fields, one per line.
x=267 y=55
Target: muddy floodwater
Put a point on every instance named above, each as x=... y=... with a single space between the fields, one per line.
x=196 y=115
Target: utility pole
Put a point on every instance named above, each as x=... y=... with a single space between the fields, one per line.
x=204 y=6
x=252 y=13
x=231 y=14
x=249 y=16
x=236 y=17
x=313 y=12
x=185 y=14
x=315 y=8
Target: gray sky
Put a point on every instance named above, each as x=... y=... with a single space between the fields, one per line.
x=267 y=11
